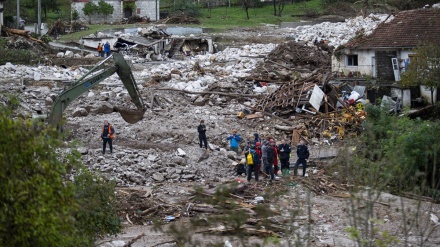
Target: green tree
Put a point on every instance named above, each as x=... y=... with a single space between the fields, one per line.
x=48 y=198
x=424 y=68
x=105 y=9
x=90 y=9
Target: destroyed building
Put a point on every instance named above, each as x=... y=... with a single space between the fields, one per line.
x=384 y=54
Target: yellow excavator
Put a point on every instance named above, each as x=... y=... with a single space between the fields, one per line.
x=93 y=78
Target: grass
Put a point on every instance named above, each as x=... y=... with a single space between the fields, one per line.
x=223 y=18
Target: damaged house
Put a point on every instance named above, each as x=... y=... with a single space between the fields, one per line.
x=383 y=55
x=122 y=9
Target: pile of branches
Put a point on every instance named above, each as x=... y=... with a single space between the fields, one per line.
x=57 y=28
x=181 y=18
x=136 y=19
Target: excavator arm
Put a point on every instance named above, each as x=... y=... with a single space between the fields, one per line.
x=89 y=81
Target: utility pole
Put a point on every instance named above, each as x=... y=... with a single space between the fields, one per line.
x=17 y=19
x=39 y=18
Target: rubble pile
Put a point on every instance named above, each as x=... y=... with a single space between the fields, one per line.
x=286 y=59
x=136 y=19
x=337 y=33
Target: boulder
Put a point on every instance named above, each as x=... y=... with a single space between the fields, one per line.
x=103 y=108
x=200 y=101
x=68 y=54
x=60 y=54
x=80 y=112
x=180 y=152
x=83 y=150
x=158 y=177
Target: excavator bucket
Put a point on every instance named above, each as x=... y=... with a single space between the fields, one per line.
x=131 y=116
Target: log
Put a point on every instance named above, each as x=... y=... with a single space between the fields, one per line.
x=206 y=210
x=211 y=92
x=285 y=128
x=129 y=243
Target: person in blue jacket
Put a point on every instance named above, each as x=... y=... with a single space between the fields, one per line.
x=107 y=49
x=234 y=141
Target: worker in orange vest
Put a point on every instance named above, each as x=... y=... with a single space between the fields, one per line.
x=99 y=50
x=107 y=135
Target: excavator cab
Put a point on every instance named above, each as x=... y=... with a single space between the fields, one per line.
x=93 y=78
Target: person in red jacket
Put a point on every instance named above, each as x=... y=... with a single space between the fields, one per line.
x=275 y=160
x=258 y=151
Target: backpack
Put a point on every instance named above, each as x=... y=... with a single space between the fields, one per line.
x=249 y=159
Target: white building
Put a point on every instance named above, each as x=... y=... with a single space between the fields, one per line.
x=122 y=9
x=383 y=55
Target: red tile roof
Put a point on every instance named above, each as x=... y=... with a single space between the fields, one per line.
x=408 y=29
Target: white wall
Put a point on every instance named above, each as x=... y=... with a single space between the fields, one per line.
x=426 y=93
x=146 y=8
x=403 y=94
x=365 y=62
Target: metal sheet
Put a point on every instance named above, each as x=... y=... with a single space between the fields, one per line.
x=316 y=98
x=360 y=90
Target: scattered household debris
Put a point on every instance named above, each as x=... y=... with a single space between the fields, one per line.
x=136 y=19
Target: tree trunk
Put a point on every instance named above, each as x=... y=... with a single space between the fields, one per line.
x=274 y=7
x=432 y=95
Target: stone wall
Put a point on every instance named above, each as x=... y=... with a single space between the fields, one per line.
x=384 y=66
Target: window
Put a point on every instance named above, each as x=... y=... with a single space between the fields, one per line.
x=352 y=60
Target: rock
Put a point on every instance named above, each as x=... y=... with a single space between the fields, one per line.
x=37 y=76
x=103 y=108
x=179 y=160
x=68 y=54
x=80 y=112
x=83 y=150
x=77 y=55
x=90 y=94
x=158 y=177
x=48 y=100
x=118 y=89
x=60 y=54
x=188 y=176
x=90 y=55
x=180 y=152
x=200 y=101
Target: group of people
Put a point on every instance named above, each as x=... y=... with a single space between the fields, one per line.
x=268 y=157
x=259 y=154
x=103 y=49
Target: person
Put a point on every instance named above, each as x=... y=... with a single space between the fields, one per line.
x=99 y=50
x=270 y=152
x=284 y=150
x=107 y=49
x=202 y=134
x=257 y=139
x=254 y=166
x=259 y=153
x=234 y=141
x=107 y=135
x=275 y=157
x=303 y=154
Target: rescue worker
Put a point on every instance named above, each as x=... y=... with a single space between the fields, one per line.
x=107 y=49
x=99 y=49
x=275 y=157
x=202 y=134
x=255 y=163
x=270 y=152
x=259 y=152
x=107 y=135
x=303 y=154
x=284 y=150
